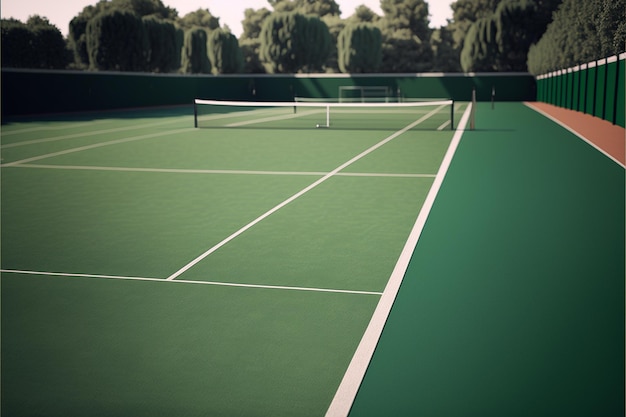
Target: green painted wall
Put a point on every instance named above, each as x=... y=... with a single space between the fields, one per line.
x=27 y=92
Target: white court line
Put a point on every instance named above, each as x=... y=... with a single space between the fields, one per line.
x=181 y=281
x=300 y=193
x=222 y=171
x=349 y=386
x=571 y=130
x=443 y=126
x=86 y=134
x=66 y=125
x=96 y=145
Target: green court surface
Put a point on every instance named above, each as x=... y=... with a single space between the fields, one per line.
x=513 y=303
x=150 y=268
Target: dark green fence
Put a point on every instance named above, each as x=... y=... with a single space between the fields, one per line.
x=595 y=88
x=26 y=92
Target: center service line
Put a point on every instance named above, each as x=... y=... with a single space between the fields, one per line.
x=301 y=193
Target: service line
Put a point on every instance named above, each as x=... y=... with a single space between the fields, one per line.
x=301 y=193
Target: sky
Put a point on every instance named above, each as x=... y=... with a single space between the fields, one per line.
x=230 y=12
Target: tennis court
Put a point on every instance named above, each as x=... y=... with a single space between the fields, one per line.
x=153 y=268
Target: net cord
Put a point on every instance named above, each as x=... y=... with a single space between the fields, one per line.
x=318 y=104
x=325 y=105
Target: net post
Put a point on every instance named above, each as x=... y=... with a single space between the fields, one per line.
x=452 y=116
x=473 y=111
x=195 y=114
x=327 y=116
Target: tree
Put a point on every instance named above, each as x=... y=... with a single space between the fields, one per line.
x=407 y=14
x=36 y=44
x=406 y=36
x=500 y=41
x=250 y=42
x=480 y=49
x=319 y=8
x=446 y=56
x=164 y=54
x=363 y=14
x=465 y=13
x=359 y=48
x=200 y=18
x=253 y=22
x=582 y=31
x=143 y=8
x=78 y=32
x=195 y=59
x=517 y=28
x=224 y=52
x=140 y=8
x=291 y=42
x=315 y=44
x=117 y=40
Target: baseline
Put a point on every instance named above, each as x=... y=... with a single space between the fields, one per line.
x=349 y=386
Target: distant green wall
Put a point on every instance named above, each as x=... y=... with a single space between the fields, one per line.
x=27 y=92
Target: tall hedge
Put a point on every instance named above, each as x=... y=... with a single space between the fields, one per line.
x=117 y=40
x=480 y=48
x=359 y=48
x=316 y=43
x=164 y=55
x=195 y=59
x=518 y=26
x=292 y=42
x=36 y=44
x=224 y=52
x=582 y=31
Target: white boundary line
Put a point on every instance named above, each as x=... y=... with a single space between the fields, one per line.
x=300 y=193
x=443 y=126
x=65 y=125
x=82 y=135
x=181 y=281
x=346 y=393
x=571 y=130
x=96 y=145
x=221 y=171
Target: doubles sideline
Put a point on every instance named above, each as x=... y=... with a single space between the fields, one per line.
x=349 y=386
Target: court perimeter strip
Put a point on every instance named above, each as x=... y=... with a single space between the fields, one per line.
x=347 y=391
x=182 y=281
x=571 y=130
x=301 y=193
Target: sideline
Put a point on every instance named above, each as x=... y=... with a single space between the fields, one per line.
x=346 y=393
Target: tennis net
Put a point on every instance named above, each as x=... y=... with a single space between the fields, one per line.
x=432 y=115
